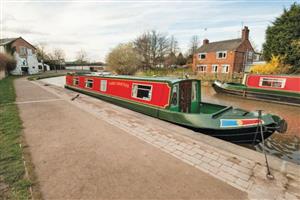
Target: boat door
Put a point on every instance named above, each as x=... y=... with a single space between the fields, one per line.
x=185 y=94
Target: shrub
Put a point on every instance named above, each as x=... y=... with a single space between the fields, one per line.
x=123 y=59
x=7 y=62
x=274 y=66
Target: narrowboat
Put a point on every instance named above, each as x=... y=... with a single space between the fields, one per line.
x=177 y=101
x=275 y=88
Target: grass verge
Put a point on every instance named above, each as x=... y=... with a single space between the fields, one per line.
x=13 y=182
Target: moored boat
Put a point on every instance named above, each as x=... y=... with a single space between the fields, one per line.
x=276 y=88
x=177 y=101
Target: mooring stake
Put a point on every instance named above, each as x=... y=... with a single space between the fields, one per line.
x=75 y=97
x=268 y=175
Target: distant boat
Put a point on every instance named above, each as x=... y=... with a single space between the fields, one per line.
x=177 y=101
x=276 y=88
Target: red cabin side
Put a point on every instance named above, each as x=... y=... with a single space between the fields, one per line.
x=274 y=82
x=122 y=89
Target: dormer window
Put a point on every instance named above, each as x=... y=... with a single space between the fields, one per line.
x=221 y=54
x=202 y=56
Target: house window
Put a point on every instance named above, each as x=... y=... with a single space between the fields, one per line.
x=103 y=85
x=201 y=68
x=89 y=83
x=221 y=54
x=272 y=82
x=202 y=56
x=142 y=91
x=214 y=69
x=29 y=52
x=23 y=51
x=225 y=68
x=75 y=81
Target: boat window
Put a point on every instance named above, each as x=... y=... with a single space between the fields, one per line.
x=272 y=82
x=194 y=91
x=89 y=83
x=142 y=91
x=75 y=81
x=103 y=85
x=174 y=99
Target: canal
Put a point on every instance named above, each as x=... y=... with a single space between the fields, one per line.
x=285 y=146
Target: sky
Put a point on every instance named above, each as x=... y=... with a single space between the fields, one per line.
x=98 y=26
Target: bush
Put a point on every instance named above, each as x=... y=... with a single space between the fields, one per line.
x=274 y=66
x=7 y=62
x=123 y=59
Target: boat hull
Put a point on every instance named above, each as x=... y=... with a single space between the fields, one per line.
x=242 y=135
x=246 y=93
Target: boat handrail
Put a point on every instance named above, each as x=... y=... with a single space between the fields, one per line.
x=221 y=111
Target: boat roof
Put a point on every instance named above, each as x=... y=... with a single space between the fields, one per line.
x=171 y=80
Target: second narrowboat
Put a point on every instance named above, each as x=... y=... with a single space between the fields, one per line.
x=283 y=89
x=178 y=101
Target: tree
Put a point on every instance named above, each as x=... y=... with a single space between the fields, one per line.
x=123 y=59
x=58 y=57
x=170 y=60
x=181 y=60
x=194 y=45
x=152 y=47
x=173 y=45
x=81 y=57
x=41 y=52
x=283 y=38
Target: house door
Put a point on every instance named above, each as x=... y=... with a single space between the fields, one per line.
x=185 y=93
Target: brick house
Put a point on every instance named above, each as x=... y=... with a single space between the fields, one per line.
x=224 y=57
x=24 y=54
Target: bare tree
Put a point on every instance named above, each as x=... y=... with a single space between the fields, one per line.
x=173 y=45
x=152 y=47
x=41 y=53
x=81 y=57
x=59 y=57
x=194 y=45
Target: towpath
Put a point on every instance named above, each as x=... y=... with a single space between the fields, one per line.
x=79 y=156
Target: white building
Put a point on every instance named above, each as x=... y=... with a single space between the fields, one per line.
x=24 y=54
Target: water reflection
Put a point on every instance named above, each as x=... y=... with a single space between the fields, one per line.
x=285 y=146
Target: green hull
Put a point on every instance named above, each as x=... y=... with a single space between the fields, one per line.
x=206 y=121
x=292 y=98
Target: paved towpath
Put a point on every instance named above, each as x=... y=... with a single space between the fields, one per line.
x=79 y=156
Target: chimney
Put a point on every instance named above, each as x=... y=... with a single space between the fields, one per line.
x=245 y=33
x=205 y=41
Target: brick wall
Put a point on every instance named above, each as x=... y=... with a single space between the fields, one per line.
x=239 y=61
x=211 y=59
x=22 y=43
x=235 y=59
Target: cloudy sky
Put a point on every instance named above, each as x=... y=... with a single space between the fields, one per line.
x=97 y=26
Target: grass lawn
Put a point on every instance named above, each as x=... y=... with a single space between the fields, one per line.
x=13 y=183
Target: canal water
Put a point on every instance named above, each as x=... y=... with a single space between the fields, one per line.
x=285 y=146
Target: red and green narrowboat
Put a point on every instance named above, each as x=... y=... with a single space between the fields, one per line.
x=276 y=88
x=177 y=101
